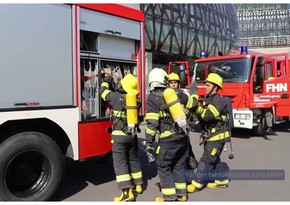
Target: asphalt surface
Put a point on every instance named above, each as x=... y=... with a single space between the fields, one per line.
x=94 y=179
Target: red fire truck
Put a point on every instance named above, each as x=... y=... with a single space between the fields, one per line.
x=51 y=60
x=258 y=85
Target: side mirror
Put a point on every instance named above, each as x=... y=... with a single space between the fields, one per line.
x=260 y=61
x=260 y=67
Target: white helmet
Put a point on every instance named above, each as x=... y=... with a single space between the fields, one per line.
x=157 y=78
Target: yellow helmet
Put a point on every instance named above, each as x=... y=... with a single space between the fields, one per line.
x=215 y=79
x=129 y=84
x=173 y=76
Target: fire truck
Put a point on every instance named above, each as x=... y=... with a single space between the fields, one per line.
x=51 y=60
x=257 y=84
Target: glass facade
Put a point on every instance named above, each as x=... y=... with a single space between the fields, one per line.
x=181 y=31
x=257 y=20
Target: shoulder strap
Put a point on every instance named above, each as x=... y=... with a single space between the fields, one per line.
x=159 y=98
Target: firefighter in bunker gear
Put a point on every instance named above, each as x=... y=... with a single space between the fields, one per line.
x=124 y=137
x=173 y=82
x=212 y=114
x=165 y=115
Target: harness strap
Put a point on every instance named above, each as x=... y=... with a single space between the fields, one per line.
x=131 y=107
x=163 y=107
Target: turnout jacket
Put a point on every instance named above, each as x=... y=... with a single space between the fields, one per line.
x=213 y=116
x=158 y=116
x=117 y=101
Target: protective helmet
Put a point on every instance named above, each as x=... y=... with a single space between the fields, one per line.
x=129 y=84
x=173 y=76
x=215 y=79
x=157 y=78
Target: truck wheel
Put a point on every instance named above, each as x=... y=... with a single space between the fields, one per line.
x=260 y=129
x=31 y=167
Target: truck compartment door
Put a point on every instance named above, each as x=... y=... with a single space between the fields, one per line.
x=36 y=55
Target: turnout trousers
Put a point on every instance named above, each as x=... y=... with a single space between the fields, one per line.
x=126 y=162
x=171 y=162
x=191 y=161
x=210 y=160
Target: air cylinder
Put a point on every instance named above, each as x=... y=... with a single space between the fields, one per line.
x=175 y=108
x=132 y=111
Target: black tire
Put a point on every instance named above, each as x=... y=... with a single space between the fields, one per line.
x=31 y=167
x=260 y=129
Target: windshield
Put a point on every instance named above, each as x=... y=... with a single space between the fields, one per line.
x=231 y=70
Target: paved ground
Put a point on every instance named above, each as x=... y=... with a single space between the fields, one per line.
x=93 y=180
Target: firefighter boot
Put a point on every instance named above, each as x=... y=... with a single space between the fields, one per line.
x=182 y=198
x=218 y=184
x=179 y=198
x=137 y=188
x=159 y=199
x=194 y=186
x=127 y=195
x=269 y=131
x=191 y=188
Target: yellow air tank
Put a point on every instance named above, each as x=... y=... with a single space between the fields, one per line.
x=175 y=108
x=132 y=111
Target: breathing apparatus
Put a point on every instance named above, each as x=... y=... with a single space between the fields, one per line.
x=132 y=111
x=175 y=108
x=129 y=84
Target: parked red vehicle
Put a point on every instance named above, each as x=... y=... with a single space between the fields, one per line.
x=258 y=85
x=52 y=57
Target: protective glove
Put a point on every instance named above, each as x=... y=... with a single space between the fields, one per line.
x=148 y=148
x=107 y=78
x=201 y=102
x=186 y=129
x=148 y=145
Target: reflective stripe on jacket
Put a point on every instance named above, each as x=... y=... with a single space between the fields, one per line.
x=213 y=116
x=158 y=118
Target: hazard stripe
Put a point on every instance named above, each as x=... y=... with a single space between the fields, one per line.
x=179 y=185
x=104 y=94
x=136 y=175
x=150 y=131
x=168 y=191
x=123 y=178
x=151 y=116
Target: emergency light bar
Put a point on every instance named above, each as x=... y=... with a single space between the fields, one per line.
x=244 y=50
x=202 y=54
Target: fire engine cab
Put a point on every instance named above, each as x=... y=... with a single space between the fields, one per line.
x=52 y=57
x=258 y=85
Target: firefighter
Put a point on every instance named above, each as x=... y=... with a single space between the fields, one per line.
x=165 y=115
x=174 y=82
x=212 y=114
x=124 y=138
